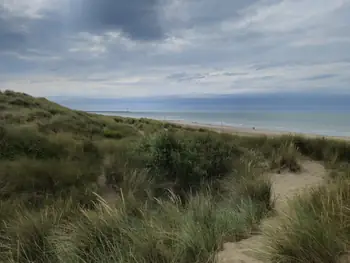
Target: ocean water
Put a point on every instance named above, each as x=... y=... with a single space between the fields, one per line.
x=322 y=123
x=323 y=114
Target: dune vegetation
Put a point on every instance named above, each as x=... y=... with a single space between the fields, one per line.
x=79 y=187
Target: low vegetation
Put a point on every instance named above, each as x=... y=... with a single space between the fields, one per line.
x=317 y=229
x=78 y=187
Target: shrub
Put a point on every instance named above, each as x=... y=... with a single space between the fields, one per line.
x=21 y=102
x=38 y=115
x=13 y=117
x=323 y=149
x=115 y=167
x=3 y=106
x=125 y=130
x=70 y=122
x=112 y=134
x=27 y=142
x=187 y=162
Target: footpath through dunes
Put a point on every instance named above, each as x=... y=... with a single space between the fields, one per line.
x=285 y=186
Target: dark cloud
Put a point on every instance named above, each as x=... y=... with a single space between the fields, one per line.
x=204 y=13
x=10 y=36
x=185 y=76
x=177 y=76
x=234 y=74
x=322 y=76
x=19 y=34
x=141 y=20
x=138 y=19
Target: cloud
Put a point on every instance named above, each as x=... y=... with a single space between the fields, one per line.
x=322 y=76
x=286 y=15
x=152 y=47
x=138 y=19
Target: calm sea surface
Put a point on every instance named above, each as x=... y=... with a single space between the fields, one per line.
x=323 y=123
x=304 y=113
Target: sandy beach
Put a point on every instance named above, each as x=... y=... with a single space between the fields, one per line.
x=242 y=131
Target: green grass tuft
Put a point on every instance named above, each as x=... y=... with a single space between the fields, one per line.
x=317 y=228
x=286 y=158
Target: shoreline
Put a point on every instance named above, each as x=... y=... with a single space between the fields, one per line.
x=243 y=131
x=239 y=129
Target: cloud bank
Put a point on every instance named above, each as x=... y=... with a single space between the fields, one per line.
x=117 y=48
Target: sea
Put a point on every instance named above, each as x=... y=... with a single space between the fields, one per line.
x=330 y=124
x=324 y=114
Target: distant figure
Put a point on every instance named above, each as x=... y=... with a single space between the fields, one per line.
x=253 y=128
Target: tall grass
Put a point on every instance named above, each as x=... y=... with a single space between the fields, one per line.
x=170 y=233
x=138 y=226
x=317 y=228
x=36 y=180
x=286 y=157
x=26 y=235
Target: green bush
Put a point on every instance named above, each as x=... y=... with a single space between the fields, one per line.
x=112 y=134
x=38 y=115
x=71 y=123
x=21 y=102
x=3 y=106
x=15 y=141
x=187 y=162
x=125 y=130
x=323 y=149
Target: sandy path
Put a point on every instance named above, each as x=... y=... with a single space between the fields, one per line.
x=285 y=186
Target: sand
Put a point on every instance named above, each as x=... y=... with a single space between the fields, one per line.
x=251 y=131
x=285 y=187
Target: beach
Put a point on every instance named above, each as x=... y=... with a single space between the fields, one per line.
x=330 y=123
x=253 y=131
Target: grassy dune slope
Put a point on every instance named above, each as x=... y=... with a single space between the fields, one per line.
x=79 y=187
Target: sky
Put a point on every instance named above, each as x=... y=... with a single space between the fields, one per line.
x=146 y=48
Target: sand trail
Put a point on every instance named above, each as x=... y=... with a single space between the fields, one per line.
x=285 y=187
